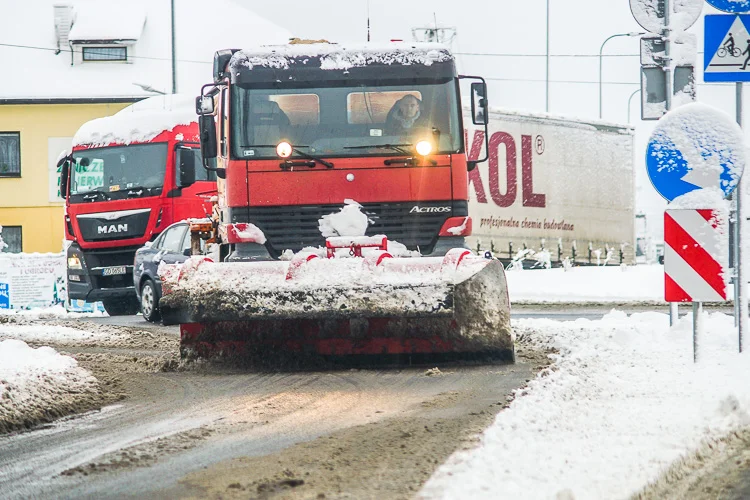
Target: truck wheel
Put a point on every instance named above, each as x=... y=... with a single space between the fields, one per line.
x=150 y=302
x=121 y=307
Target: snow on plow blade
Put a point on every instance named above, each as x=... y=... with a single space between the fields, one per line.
x=375 y=305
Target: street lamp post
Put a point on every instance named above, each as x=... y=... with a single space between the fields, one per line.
x=630 y=100
x=601 y=50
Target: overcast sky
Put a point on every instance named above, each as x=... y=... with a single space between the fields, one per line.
x=577 y=27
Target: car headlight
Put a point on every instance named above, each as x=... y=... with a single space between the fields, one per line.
x=74 y=262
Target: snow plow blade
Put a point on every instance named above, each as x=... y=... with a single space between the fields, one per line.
x=375 y=305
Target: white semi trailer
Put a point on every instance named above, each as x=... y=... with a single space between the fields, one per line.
x=553 y=184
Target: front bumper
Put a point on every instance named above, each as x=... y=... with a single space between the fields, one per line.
x=90 y=284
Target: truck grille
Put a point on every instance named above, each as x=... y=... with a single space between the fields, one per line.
x=296 y=227
x=100 y=227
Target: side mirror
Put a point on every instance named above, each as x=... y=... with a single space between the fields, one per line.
x=479 y=103
x=204 y=105
x=471 y=165
x=64 y=166
x=187 y=252
x=185 y=167
x=208 y=136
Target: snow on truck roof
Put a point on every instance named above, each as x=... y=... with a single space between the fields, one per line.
x=139 y=122
x=340 y=57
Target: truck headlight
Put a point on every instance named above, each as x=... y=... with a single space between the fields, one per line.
x=424 y=148
x=74 y=262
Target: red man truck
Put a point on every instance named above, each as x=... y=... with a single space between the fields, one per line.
x=129 y=176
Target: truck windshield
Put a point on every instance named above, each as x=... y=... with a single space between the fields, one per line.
x=361 y=120
x=118 y=172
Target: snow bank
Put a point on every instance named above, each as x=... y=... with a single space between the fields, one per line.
x=622 y=401
x=587 y=284
x=41 y=332
x=37 y=385
x=54 y=312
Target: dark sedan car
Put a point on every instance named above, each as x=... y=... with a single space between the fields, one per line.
x=172 y=247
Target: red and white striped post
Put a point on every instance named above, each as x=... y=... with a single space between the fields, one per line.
x=695 y=255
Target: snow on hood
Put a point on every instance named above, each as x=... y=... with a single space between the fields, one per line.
x=350 y=221
x=139 y=122
x=337 y=57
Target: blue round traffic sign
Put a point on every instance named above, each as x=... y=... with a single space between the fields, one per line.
x=695 y=146
x=730 y=5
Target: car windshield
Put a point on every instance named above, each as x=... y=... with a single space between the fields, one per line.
x=119 y=172
x=361 y=120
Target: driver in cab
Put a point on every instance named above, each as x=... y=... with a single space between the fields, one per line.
x=405 y=116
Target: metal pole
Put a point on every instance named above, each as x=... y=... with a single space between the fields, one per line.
x=667 y=53
x=673 y=308
x=546 y=93
x=630 y=100
x=601 y=53
x=697 y=327
x=174 y=55
x=740 y=282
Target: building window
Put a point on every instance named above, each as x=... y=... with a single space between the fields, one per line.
x=105 y=53
x=10 y=154
x=12 y=237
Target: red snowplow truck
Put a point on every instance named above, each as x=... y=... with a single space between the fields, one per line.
x=129 y=176
x=303 y=136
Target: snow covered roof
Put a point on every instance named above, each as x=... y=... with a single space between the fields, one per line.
x=102 y=22
x=34 y=68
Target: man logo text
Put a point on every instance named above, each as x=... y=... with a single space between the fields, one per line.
x=112 y=228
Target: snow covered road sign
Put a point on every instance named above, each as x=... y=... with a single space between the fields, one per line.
x=726 y=47
x=730 y=5
x=693 y=266
x=694 y=147
x=650 y=14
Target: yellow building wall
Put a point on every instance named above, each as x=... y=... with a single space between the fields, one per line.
x=25 y=201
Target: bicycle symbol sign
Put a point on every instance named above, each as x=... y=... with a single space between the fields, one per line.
x=726 y=48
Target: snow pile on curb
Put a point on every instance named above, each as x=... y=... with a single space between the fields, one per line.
x=53 y=312
x=588 y=284
x=38 y=385
x=40 y=332
x=622 y=401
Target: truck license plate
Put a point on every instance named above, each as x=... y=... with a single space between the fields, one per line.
x=112 y=271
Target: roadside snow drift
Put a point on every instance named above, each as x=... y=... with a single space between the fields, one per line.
x=622 y=401
x=38 y=385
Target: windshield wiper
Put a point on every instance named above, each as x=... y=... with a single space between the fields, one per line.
x=138 y=190
x=399 y=148
x=295 y=149
x=93 y=195
x=311 y=157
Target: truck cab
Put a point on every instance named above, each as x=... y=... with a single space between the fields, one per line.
x=129 y=176
x=295 y=132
